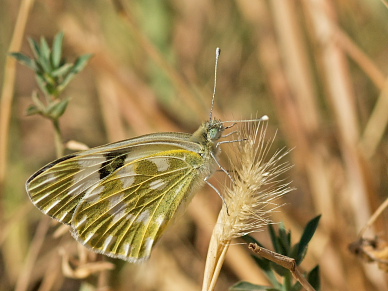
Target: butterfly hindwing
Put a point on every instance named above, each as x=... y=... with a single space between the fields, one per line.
x=136 y=203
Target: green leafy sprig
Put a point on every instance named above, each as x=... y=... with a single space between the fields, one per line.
x=53 y=73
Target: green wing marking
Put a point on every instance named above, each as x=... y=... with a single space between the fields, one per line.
x=125 y=214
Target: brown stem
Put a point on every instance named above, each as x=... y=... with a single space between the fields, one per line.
x=284 y=261
x=8 y=91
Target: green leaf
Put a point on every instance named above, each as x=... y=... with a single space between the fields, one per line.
x=307 y=235
x=56 y=110
x=45 y=63
x=57 y=50
x=25 y=60
x=284 y=240
x=80 y=63
x=297 y=287
x=32 y=110
x=39 y=104
x=274 y=238
x=34 y=47
x=62 y=70
x=263 y=263
x=294 y=252
x=279 y=269
x=45 y=51
x=65 y=82
x=314 y=279
x=246 y=286
x=52 y=90
x=42 y=83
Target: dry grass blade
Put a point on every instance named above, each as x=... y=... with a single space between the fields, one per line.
x=8 y=91
x=35 y=247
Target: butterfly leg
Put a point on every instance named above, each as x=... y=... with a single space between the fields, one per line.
x=229 y=134
x=230 y=126
x=230 y=141
x=218 y=192
x=222 y=168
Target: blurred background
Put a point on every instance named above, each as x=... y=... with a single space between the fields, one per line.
x=316 y=68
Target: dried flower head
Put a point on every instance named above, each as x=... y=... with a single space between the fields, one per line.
x=251 y=196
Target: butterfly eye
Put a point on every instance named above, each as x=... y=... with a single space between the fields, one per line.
x=214 y=134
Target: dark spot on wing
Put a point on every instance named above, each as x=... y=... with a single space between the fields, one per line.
x=114 y=160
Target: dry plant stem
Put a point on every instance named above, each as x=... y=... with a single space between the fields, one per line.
x=284 y=261
x=377 y=123
x=110 y=105
x=132 y=92
x=378 y=120
x=303 y=108
x=23 y=280
x=237 y=260
x=5 y=116
x=385 y=3
x=362 y=59
x=103 y=277
x=373 y=218
x=84 y=268
x=124 y=11
x=211 y=261
x=22 y=283
x=220 y=261
x=14 y=219
x=214 y=261
x=318 y=163
x=8 y=90
x=52 y=275
x=342 y=98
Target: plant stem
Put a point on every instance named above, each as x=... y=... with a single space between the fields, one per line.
x=7 y=93
x=220 y=261
x=284 y=261
x=58 y=138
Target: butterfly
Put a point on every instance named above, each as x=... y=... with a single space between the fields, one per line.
x=119 y=198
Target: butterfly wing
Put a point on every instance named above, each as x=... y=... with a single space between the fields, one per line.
x=58 y=188
x=125 y=214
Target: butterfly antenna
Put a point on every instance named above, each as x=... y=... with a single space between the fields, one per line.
x=218 y=52
x=263 y=118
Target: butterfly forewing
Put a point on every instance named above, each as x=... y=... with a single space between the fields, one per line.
x=58 y=187
x=136 y=203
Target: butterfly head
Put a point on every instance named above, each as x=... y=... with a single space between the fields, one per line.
x=213 y=129
x=209 y=132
